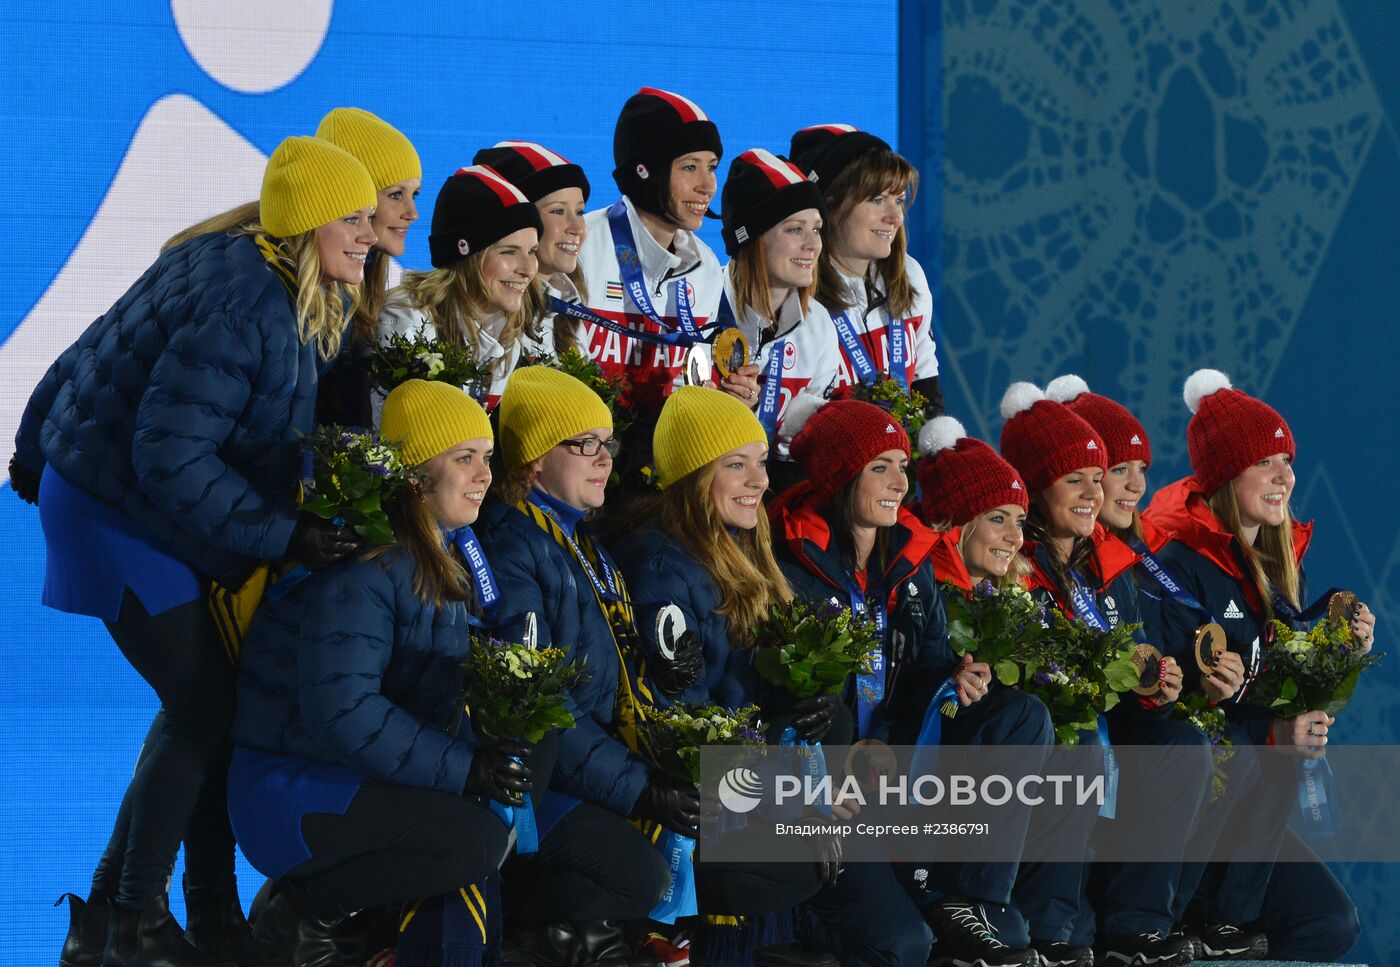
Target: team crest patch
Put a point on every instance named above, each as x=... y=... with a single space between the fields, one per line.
x=614 y=291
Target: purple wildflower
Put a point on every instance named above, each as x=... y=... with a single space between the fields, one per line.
x=1041 y=678
x=378 y=470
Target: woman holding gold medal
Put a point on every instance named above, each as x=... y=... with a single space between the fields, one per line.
x=1085 y=572
x=1237 y=551
x=773 y=220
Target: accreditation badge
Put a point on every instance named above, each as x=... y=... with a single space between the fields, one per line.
x=1148 y=661
x=1210 y=645
x=731 y=351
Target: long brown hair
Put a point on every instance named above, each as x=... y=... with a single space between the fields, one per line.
x=455 y=301
x=438 y=575
x=751 y=288
x=742 y=565
x=840 y=513
x=874 y=172
x=1271 y=559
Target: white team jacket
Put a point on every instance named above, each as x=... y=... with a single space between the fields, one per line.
x=652 y=369
x=870 y=326
x=401 y=315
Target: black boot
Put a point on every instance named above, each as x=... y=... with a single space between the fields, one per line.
x=318 y=944
x=603 y=942
x=87 y=930
x=277 y=912
x=792 y=955
x=571 y=945
x=214 y=923
x=150 y=937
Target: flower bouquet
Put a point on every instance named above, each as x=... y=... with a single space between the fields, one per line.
x=347 y=475
x=1309 y=671
x=676 y=734
x=518 y=692
x=1077 y=671
x=400 y=356
x=1197 y=710
x=811 y=649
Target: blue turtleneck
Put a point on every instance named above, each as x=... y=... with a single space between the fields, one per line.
x=565 y=516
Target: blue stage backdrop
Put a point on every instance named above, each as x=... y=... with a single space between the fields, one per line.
x=1133 y=190
x=125 y=122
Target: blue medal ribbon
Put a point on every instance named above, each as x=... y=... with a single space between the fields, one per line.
x=1085 y=609
x=679 y=899
x=855 y=352
x=899 y=351
x=608 y=587
x=771 y=398
x=870 y=687
x=521 y=819
x=931 y=730
x=1110 y=770
x=1168 y=582
x=668 y=338
x=813 y=761
x=488 y=593
x=633 y=282
x=1309 y=614
x=1317 y=798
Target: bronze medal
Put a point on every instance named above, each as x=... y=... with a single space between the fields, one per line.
x=1210 y=645
x=1342 y=607
x=697 y=366
x=1148 y=661
x=731 y=352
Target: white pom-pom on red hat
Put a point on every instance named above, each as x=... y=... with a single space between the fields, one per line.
x=1066 y=388
x=1018 y=398
x=799 y=411
x=940 y=433
x=1202 y=383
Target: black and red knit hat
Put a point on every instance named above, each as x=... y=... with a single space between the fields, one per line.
x=655 y=128
x=1045 y=440
x=824 y=150
x=1229 y=430
x=1123 y=436
x=760 y=191
x=841 y=438
x=532 y=168
x=475 y=208
x=961 y=477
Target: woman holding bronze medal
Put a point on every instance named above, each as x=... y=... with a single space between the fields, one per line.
x=485 y=236
x=1237 y=552
x=773 y=233
x=844 y=536
x=1085 y=572
x=559 y=189
x=699 y=561
x=876 y=293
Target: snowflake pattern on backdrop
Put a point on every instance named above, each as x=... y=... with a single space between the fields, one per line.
x=1148 y=185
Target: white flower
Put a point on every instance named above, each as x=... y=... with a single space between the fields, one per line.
x=433 y=362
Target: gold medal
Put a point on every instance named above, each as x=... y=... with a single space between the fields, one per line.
x=1149 y=665
x=1342 y=607
x=697 y=366
x=731 y=351
x=1210 y=645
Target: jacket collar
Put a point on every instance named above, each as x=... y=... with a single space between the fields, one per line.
x=808 y=536
x=562 y=288
x=1181 y=508
x=659 y=263
x=1113 y=556
x=948 y=563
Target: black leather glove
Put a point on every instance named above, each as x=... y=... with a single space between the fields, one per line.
x=318 y=543
x=24 y=482
x=494 y=773
x=827 y=849
x=812 y=717
x=672 y=803
x=675 y=675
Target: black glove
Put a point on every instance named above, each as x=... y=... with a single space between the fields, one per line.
x=23 y=481
x=673 y=804
x=494 y=773
x=827 y=849
x=812 y=717
x=318 y=543
x=675 y=675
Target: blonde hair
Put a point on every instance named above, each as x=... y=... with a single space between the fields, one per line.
x=742 y=566
x=1016 y=573
x=871 y=174
x=455 y=301
x=1270 y=559
x=438 y=574
x=751 y=286
x=321 y=307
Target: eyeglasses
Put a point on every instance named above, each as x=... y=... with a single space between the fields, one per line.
x=590 y=445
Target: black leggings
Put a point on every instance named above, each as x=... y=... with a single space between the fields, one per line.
x=592 y=865
x=394 y=844
x=179 y=789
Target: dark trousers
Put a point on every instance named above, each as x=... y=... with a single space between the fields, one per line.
x=867 y=919
x=592 y=865
x=396 y=843
x=179 y=789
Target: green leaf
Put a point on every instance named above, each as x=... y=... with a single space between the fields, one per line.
x=1008 y=672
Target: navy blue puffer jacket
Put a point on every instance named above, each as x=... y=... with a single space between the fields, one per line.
x=536 y=575
x=352 y=667
x=183 y=404
x=659 y=572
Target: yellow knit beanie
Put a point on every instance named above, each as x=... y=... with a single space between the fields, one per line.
x=698 y=425
x=541 y=408
x=380 y=147
x=428 y=418
x=309 y=183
